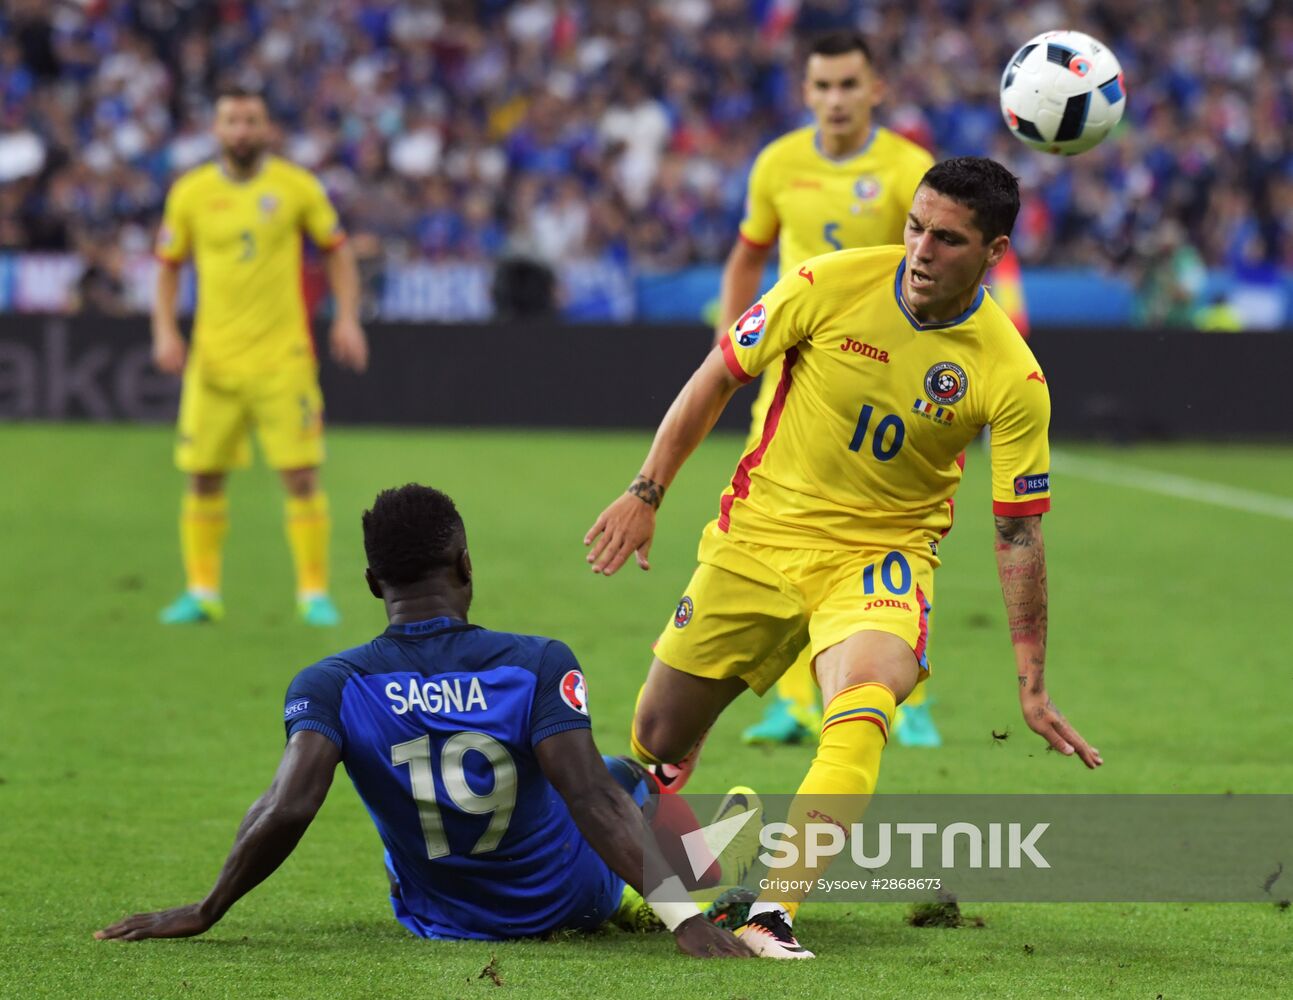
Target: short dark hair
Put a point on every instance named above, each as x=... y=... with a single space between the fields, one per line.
x=838 y=43
x=411 y=531
x=239 y=92
x=984 y=186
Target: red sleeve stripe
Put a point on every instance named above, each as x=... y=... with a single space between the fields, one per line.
x=337 y=240
x=1025 y=509
x=733 y=366
x=754 y=243
x=741 y=481
x=167 y=261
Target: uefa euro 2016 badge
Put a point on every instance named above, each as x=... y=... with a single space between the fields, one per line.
x=946 y=383
x=573 y=691
x=749 y=328
x=683 y=614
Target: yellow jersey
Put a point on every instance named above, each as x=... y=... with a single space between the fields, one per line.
x=817 y=204
x=872 y=409
x=245 y=241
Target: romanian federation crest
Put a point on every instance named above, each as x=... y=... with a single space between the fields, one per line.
x=946 y=383
x=866 y=188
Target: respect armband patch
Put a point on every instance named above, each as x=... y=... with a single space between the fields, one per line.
x=1039 y=482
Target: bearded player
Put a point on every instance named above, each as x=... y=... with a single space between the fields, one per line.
x=252 y=362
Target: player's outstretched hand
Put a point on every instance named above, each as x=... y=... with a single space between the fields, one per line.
x=349 y=344
x=183 y=921
x=698 y=938
x=624 y=528
x=1049 y=723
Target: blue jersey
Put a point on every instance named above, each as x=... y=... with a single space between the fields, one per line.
x=437 y=723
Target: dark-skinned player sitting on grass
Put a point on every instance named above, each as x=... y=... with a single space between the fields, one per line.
x=473 y=753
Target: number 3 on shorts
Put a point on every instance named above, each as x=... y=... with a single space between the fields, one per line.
x=892 y=565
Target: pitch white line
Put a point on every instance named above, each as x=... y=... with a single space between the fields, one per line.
x=1168 y=484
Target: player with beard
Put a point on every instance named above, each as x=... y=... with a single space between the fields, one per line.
x=252 y=362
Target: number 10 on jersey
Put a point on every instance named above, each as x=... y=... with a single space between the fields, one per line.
x=889 y=423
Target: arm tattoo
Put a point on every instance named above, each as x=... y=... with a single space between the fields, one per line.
x=1021 y=531
x=1021 y=564
x=649 y=492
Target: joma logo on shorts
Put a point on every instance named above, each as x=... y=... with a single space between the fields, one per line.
x=866 y=350
x=887 y=602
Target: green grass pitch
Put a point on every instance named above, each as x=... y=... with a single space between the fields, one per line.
x=128 y=752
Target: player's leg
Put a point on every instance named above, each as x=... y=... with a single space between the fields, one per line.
x=671 y=818
x=673 y=715
x=739 y=624
x=309 y=529
x=862 y=678
x=289 y=421
x=212 y=438
x=869 y=632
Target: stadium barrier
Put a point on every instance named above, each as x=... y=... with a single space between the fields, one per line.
x=1121 y=385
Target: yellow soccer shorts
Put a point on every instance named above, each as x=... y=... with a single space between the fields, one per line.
x=750 y=609
x=218 y=413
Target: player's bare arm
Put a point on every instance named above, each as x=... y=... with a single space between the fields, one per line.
x=169 y=349
x=613 y=824
x=1021 y=565
x=627 y=526
x=268 y=834
x=348 y=342
x=740 y=285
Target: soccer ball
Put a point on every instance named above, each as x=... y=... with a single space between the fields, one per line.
x=1062 y=92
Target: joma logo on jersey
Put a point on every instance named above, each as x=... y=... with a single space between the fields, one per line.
x=851 y=346
x=938 y=414
x=887 y=602
x=444 y=695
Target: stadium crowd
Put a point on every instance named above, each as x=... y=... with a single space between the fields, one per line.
x=624 y=129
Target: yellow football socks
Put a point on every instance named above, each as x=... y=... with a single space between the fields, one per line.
x=204 y=522
x=917 y=696
x=843 y=775
x=308 y=530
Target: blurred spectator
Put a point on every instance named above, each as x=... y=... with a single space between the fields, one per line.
x=1172 y=278
x=624 y=129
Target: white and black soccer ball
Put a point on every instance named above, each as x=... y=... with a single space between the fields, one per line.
x=1062 y=92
